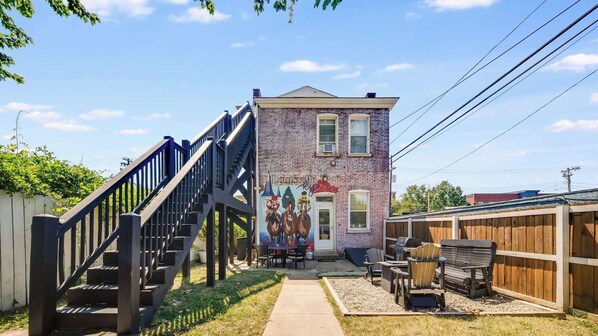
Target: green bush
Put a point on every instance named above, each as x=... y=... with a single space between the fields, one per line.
x=39 y=172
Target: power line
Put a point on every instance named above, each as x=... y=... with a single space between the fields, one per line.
x=441 y=132
x=490 y=62
x=568 y=173
x=508 y=129
x=460 y=80
x=501 y=78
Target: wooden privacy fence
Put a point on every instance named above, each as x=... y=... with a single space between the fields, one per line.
x=547 y=256
x=16 y=213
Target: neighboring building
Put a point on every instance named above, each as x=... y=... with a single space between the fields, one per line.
x=484 y=198
x=323 y=171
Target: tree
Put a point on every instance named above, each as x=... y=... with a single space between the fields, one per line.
x=17 y=38
x=395 y=207
x=446 y=195
x=415 y=199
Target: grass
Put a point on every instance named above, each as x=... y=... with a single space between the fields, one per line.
x=477 y=325
x=239 y=305
x=14 y=320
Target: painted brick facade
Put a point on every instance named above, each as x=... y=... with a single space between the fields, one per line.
x=287 y=148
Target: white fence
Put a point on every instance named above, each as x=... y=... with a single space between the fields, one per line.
x=16 y=213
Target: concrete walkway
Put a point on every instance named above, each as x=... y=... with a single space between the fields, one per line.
x=302 y=309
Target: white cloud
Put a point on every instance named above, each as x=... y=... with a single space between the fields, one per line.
x=201 y=15
x=178 y=2
x=152 y=116
x=594 y=97
x=39 y=116
x=353 y=74
x=413 y=15
x=441 y=5
x=246 y=16
x=132 y=131
x=514 y=154
x=576 y=62
x=68 y=126
x=573 y=126
x=310 y=66
x=248 y=44
x=131 y=8
x=7 y=136
x=398 y=67
x=14 y=106
x=102 y=114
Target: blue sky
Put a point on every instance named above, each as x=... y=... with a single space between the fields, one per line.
x=163 y=67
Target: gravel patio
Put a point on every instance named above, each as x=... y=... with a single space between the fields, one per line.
x=357 y=296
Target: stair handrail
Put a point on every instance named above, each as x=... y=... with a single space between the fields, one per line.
x=240 y=114
x=91 y=226
x=163 y=217
x=217 y=129
x=238 y=139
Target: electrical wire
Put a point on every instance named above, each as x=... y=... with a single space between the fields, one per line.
x=508 y=129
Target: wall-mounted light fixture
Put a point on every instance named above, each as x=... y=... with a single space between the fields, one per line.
x=333 y=163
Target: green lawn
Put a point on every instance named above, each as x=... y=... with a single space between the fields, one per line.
x=239 y=305
x=14 y=319
x=457 y=326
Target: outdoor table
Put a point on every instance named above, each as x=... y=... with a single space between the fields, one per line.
x=386 y=282
x=283 y=252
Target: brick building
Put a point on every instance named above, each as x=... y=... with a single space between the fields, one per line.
x=484 y=198
x=322 y=166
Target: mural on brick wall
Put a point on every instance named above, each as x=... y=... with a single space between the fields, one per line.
x=285 y=209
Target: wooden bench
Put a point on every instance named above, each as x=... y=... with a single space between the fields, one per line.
x=464 y=258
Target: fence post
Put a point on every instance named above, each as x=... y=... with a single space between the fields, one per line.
x=562 y=257
x=128 y=274
x=410 y=227
x=170 y=157
x=455 y=228
x=43 y=273
x=384 y=237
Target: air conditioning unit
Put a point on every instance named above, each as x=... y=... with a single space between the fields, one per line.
x=328 y=148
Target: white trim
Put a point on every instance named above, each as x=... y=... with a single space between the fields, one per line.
x=326 y=102
x=455 y=228
x=410 y=228
x=333 y=227
x=527 y=255
x=583 y=261
x=367 y=218
x=256 y=186
x=327 y=116
x=583 y=208
x=367 y=118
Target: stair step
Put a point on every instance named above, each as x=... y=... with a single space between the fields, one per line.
x=110 y=258
x=88 y=317
x=106 y=294
x=109 y=275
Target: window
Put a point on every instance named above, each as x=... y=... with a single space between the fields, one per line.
x=327 y=134
x=359 y=134
x=359 y=210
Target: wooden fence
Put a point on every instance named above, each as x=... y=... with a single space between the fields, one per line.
x=547 y=256
x=16 y=213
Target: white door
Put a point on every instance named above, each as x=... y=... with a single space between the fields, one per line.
x=324 y=234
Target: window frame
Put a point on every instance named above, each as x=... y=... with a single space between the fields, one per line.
x=367 y=118
x=367 y=217
x=327 y=116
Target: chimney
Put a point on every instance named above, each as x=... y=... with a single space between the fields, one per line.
x=257 y=93
x=371 y=95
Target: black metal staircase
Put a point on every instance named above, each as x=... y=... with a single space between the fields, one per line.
x=132 y=236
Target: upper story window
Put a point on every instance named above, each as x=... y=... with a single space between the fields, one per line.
x=359 y=134
x=327 y=134
x=359 y=210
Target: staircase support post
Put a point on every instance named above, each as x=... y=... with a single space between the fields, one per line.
x=128 y=274
x=231 y=241
x=186 y=268
x=222 y=241
x=210 y=221
x=251 y=201
x=170 y=158
x=42 y=302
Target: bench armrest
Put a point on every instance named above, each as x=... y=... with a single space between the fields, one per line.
x=398 y=271
x=470 y=267
x=367 y=263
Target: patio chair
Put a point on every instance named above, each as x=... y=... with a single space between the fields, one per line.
x=262 y=255
x=415 y=287
x=298 y=255
x=372 y=258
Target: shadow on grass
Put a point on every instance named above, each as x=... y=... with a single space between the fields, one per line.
x=193 y=303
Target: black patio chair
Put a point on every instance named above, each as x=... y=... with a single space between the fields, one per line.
x=372 y=258
x=262 y=255
x=298 y=255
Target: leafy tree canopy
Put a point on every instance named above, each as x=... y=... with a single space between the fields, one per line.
x=14 y=37
x=39 y=172
x=421 y=198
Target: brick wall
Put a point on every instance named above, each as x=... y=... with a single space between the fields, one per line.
x=286 y=148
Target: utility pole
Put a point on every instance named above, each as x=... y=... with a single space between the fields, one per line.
x=125 y=162
x=567 y=173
